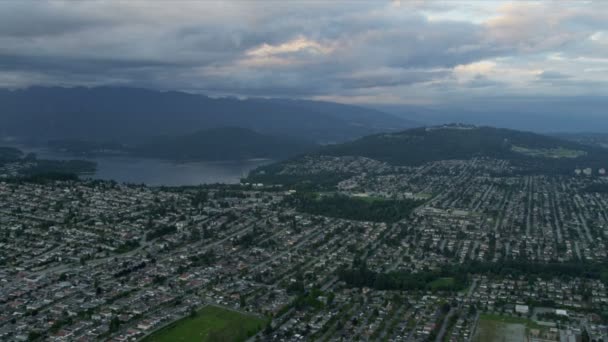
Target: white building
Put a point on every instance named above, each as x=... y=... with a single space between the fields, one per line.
x=522 y=309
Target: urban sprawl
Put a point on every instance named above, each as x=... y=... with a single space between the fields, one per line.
x=484 y=250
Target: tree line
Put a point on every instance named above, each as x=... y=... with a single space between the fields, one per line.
x=360 y=209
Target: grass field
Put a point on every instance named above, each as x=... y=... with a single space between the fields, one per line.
x=503 y=328
x=559 y=152
x=372 y=199
x=442 y=283
x=510 y=319
x=211 y=324
x=424 y=195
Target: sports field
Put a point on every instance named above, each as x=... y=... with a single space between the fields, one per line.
x=498 y=328
x=211 y=324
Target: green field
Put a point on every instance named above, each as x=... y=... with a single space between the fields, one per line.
x=369 y=198
x=510 y=320
x=503 y=328
x=424 y=195
x=211 y=324
x=442 y=283
x=559 y=152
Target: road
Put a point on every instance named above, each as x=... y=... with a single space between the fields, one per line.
x=446 y=320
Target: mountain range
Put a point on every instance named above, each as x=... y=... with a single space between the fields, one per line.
x=131 y=115
x=183 y=126
x=214 y=144
x=220 y=144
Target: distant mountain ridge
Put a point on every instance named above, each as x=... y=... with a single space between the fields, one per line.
x=541 y=114
x=130 y=114
x=585 y=138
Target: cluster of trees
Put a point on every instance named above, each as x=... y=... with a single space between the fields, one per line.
x=246 y=240
x=60 y=167
x=44 y=171
x=114 y=324
x=129 y=270
x=301 y=182
x=454 y=277
x=160 y=231
x=552 y=317
x=224 y=192
x=309 y=300
x=127 y=246
x=203 y=259
x=198 y=260
x=9 y=154
x=200 y=197
x=516 y=268
x=46 y=178
x=361 y=276
x=360 y=209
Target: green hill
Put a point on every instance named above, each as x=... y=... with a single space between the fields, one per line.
x=421 y=145
x=530 y=153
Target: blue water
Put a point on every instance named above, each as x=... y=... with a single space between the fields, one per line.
x=156 y=172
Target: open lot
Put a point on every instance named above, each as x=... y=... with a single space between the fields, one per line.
x=211 y=324
x=495 y=328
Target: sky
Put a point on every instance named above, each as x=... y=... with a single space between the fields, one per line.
x=360 y=52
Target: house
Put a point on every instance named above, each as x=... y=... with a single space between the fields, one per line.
x=522 y=309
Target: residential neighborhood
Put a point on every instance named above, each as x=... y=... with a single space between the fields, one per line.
x=95 y=260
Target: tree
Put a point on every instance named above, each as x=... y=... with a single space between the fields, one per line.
x=585 y=336
x=268 y=329
x=34 y=335
x=114 y=324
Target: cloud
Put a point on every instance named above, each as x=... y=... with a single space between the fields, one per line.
x=398 y=51
x=476 y=68
x=295 y=51
x=387 y=77
x=293 y=46
x=22 y=19
x=538 y=26
x=552 y=75
x=480 y=81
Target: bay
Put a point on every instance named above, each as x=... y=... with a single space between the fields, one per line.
x=155 y=172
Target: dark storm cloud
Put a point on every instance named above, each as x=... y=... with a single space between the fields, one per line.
x=25 y=19
x=77 y=65
x=378 y=51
